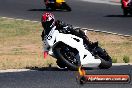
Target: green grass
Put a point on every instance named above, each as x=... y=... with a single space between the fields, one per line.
x=126 y=59
x=13 y=28
x=114 y=60
x=21 y=45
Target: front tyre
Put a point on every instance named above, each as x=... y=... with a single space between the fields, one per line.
x=67 y=57
x=60 y=64
x=105 y=64
x=125 y=12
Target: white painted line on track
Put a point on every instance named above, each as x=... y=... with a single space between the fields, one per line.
x=36 y=21
x=107 y=32
x=119 y=64
x=111 y=2
x=20 y=19
x=27 y=20
x=14 y=70
x=90 y=29
x=3 y=17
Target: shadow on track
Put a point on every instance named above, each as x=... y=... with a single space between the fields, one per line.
x=125 y=68
x=50 y=68
x=46 y=69
x=58 y=10
x=122 y=16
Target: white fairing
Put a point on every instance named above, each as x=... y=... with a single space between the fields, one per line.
x=86 y=58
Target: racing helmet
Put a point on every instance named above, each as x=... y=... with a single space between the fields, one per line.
x=48 y=20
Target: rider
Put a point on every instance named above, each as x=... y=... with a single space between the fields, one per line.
x=52 y=1
x=49 y=0
x=129 y=1
x=125 y=3
x=58 y=1
x=48 y=22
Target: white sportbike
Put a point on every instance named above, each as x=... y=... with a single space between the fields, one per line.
x=71 y=51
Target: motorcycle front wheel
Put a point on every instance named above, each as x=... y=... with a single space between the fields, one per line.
x=60 y=64
x=125 y=12
x=67 y=57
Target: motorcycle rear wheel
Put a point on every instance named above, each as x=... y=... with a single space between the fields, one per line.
x=125 y=12
x=106 y=61
x=66 y=7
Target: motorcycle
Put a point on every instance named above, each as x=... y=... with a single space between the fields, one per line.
x=57 y=4
x=71 y=51
x=128 y=9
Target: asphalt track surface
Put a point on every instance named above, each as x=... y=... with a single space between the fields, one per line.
x=84 y=14
x=55 y=78
x=96 y=16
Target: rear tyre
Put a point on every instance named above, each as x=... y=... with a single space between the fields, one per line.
x=125 y=12
x=130 y=12
x=52 y=6
x=105 y=64
x=65 y=6
x=106 y=61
